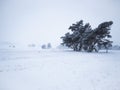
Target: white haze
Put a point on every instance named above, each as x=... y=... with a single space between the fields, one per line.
x=43 y=21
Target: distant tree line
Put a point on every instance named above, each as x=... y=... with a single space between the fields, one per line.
x=43 y=46
x=48 y=46
x=83 y=37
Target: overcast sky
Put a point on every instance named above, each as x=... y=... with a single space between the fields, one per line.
x=43 y=21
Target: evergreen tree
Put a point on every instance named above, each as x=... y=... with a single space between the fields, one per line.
x=49 y=45
x=84 y=38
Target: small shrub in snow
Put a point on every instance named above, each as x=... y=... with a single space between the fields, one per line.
x=43 y=46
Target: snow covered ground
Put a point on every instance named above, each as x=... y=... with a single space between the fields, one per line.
x=59 y=70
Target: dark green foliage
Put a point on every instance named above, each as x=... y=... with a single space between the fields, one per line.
x=83 y=37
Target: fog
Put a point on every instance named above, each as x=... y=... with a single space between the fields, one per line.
x=44 y=21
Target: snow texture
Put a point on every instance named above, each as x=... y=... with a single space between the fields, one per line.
x=59 y=70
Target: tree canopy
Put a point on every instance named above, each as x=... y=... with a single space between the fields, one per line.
x=83 y=37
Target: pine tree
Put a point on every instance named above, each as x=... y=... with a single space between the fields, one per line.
x=49 y=45
x=84 y=38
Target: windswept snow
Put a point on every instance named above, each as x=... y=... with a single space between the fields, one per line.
x=59 y=70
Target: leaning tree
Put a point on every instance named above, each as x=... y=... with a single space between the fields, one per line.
x=83 y=37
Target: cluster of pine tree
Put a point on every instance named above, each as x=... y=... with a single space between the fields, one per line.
x=83 y=37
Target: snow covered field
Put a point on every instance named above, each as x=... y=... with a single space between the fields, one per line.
x=59 y=70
